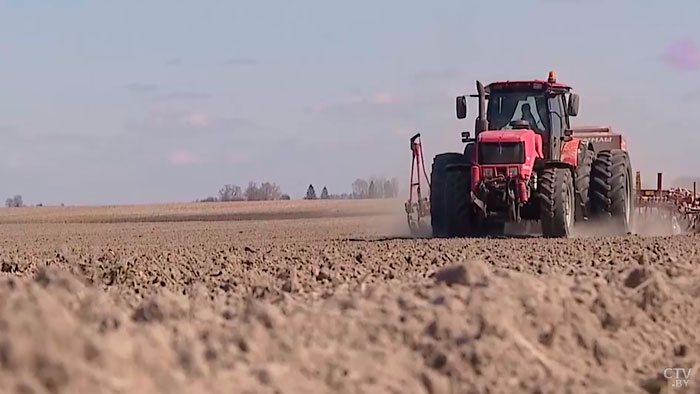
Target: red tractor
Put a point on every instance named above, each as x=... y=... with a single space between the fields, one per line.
x=525 y=162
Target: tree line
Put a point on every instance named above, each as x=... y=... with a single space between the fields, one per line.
x=375 y=187
x=14 y=201
x=17 y=202
x=265 y=192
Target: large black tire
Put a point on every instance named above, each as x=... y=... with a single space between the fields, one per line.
x=557 y=202
x=438 y=175
x=582 y=182
x=495 y=229
x=458 y=202
x=611 y=190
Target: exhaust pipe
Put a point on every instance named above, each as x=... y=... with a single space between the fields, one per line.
x=481 y=122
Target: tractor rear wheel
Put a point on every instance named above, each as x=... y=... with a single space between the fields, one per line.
x=438 y=182
x=611 y=190
x=496 y=229
x=557 y=202
x=458 y=202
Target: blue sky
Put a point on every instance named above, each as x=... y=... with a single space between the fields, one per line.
x=146 y=101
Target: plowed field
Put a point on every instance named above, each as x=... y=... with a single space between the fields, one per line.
x=332 y=297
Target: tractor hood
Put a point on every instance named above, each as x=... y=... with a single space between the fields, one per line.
x=532 y=140
x=532 y=144
x=496 y=136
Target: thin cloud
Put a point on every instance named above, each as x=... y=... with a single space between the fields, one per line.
x=378 y=99
x=241 y=61
x=185 y=95
x=238 y=158
x=436 y=75
x=184 y=122
x=232 y=123
x=181 y=157
x=138 y=87
x=402 y=132
x=582 y=2
x=682 y=54
x=195 y=119
x=385 y=98
x=5 y=128
x=691 y=95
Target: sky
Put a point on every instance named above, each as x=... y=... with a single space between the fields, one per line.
x=135 y=102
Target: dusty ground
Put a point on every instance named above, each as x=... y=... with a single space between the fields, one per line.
x=147 y=300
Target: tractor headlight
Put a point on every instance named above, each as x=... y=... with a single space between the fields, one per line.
x=488 y=172
x=513 y=171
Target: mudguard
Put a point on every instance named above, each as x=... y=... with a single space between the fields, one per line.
x=570 y=152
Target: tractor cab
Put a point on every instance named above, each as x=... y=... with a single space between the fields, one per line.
x=540 y=106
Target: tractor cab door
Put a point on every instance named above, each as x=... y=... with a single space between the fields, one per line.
x=558 y=123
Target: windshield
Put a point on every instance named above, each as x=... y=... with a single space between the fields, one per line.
x=507 y=106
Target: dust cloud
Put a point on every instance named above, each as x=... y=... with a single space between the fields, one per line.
x=395 y=225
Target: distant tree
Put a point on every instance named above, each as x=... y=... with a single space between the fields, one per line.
x=395 y=186
x=372 y=190
x=252 y=192
x=269 y=191
x=310 y=193
x=231 y=193
x=378 y=186
x=360 y=188
x=388 y=189
x=324 y=194
x=344 y=196
x=285 y=197
x=209 y=199
x=14 y=202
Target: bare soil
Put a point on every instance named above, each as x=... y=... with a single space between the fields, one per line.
x=332 y=297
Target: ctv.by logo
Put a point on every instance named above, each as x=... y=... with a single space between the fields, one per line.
x=679 y=377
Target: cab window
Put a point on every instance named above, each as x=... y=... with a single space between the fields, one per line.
x=557 y=115
x=507 y=106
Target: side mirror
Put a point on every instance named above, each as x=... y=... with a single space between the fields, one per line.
x=572 y=110
x=461 y=107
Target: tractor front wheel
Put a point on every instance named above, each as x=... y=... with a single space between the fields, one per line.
x=438 y=186
x=557 y=202
x=458 y=202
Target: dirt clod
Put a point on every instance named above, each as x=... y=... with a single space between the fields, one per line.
x=149 y=311
x=635 y=278
x=8 y=267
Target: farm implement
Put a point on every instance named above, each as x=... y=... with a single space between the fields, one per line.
x=678 y=208
x=526 y=162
